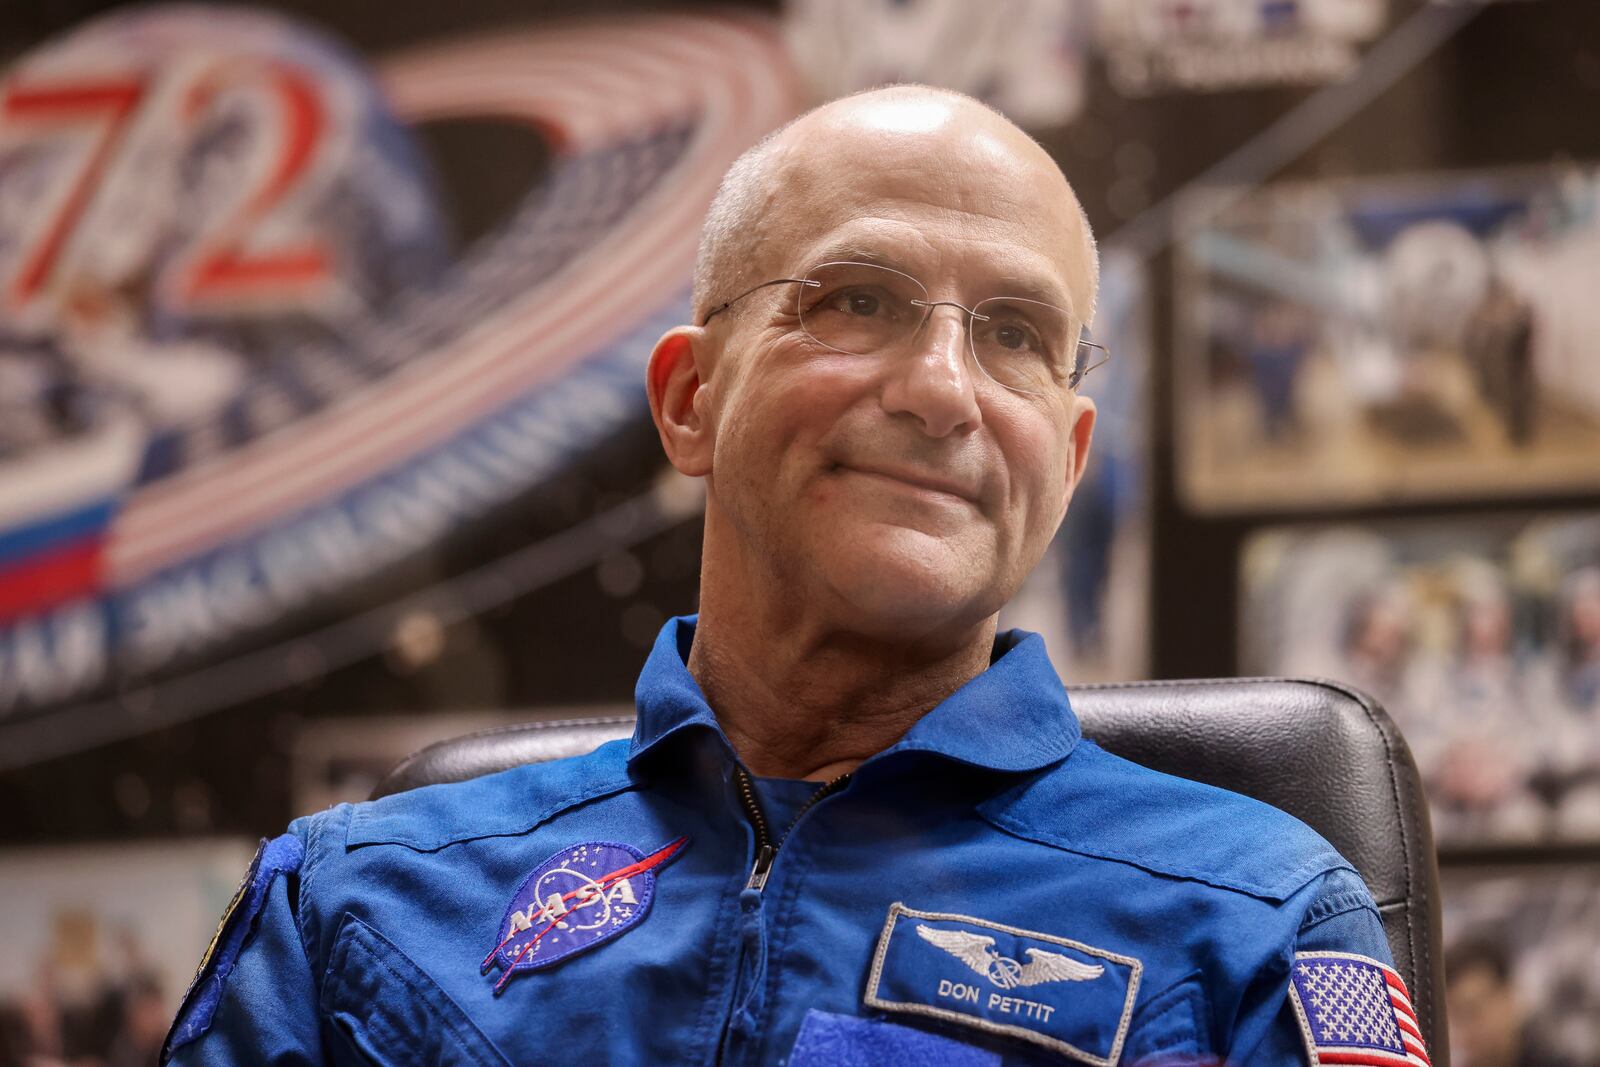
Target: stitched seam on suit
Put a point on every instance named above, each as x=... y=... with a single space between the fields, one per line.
x=309 y=870
x=459 y=834
x=442 y=1017
x=1051 y=756
x=299 y=926
x=718 y=987
x=582 y=796
x=1335 y=904
x=1181 y=998
x=1422 y=965
x=467 y=1040
x=377 y=1026
x=1297 y=878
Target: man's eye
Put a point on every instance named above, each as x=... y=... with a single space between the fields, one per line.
x=863 y=303
x=1014 y=336
x=860 y=303
x=1011 y=336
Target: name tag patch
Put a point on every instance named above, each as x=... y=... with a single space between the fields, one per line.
x=1069 y=997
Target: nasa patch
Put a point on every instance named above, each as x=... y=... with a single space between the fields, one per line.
x=583 y=896
x=1071 y=998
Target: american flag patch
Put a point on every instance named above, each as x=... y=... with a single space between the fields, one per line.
x=1355 y=1010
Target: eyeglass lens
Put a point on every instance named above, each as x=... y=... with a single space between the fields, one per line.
x=864 y=309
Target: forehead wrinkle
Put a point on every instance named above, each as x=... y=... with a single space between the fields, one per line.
x=974 y=181
x=1025 y=272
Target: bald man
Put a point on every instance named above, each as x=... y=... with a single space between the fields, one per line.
x=854 y=825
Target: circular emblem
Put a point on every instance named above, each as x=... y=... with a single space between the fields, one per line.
x=247 y=371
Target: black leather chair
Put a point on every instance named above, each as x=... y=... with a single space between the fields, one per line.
x=1319 y=750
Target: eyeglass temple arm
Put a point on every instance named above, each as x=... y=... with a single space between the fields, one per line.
x=1101 y=358
x=726 y=304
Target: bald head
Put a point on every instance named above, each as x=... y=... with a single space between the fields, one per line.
x=763 y=206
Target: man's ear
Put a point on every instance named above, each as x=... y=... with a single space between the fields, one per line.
x=676 y=400
x=1081 y=434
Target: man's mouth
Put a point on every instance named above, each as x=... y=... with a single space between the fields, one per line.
x=914 y=478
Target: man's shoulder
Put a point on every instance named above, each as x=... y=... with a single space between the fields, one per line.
x=508 y=802
x=1098 y=804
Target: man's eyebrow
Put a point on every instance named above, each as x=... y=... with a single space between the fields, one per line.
x=1031 y=287
x=1027 y=285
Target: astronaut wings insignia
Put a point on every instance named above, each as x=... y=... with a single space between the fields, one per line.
x=978 y=952
x=1079 y=1000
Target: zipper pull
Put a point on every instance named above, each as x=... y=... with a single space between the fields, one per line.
x=763 y=867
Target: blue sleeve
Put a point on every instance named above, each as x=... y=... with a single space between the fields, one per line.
x=254 y=1001
x=1344 y=918
x=1340 y=917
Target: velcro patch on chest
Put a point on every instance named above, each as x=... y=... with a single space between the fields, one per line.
x=1071 y=998
x=581 y=897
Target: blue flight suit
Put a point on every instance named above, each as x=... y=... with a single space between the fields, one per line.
x=991 y=889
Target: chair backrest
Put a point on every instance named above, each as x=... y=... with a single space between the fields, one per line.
x=1322 y=751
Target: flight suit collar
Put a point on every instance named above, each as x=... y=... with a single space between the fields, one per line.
x=1015 y=716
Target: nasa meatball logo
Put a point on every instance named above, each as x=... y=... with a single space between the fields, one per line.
x=574 y=901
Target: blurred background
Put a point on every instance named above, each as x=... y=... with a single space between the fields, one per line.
x=323 y=436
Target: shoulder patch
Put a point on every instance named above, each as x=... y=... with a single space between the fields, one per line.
x=506 y=803
x=1354 y=1010
x=282 y=854
x=1098 y=804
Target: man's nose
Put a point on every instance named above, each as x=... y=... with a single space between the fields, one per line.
x=932 y=378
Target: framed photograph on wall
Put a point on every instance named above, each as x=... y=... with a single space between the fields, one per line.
x=1522 y=985
x=1378 y=340
x=102 y=940
x=1480 y=636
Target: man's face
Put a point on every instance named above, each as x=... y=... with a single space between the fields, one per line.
x=1485 y=1019
x=906 y=488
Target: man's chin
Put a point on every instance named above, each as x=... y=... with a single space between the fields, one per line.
x=902 y=583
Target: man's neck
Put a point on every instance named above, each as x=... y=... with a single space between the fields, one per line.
x=798 y=703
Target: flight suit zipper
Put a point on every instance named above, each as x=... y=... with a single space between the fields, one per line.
x=751 y=969
x=766 y=847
